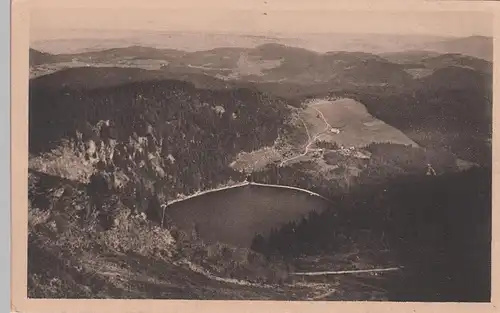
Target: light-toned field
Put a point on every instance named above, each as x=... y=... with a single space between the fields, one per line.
x=357 y=127
x=248 y=162
x=419 y=72
x=352 y=126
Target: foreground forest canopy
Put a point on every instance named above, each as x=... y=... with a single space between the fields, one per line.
x=112 y=142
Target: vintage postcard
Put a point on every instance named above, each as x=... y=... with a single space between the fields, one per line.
x=253 y=156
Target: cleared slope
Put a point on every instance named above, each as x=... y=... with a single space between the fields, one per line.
x=357 y=127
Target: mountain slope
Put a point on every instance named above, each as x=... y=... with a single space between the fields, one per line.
x=458 y=78
x=193 y=133
x=338 y=69
x=434 y=60
x=100 y=77
x=264 y=63
x=438 y=228
x=409 y=56
x=118 y=255
x=116 y=54
x=452 y=108
x=458 y=60
x=474 y=46
x=37 y=57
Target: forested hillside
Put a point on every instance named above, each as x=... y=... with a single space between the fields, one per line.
x=438 y=228
x=38 y=57
x=86 y=78
x=182 y=136
x=451 y=108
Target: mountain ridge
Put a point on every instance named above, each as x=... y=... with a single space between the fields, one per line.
x=483 y=50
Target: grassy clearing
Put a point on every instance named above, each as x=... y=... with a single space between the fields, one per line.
x=357 y=127
x=256 y=160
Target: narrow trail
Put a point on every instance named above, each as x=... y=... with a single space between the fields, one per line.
x=311 y=140
x=323 y=118
x=307 y=129
x=200 y=270
x=325 y=292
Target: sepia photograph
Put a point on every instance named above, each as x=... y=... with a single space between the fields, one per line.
x=258 y=152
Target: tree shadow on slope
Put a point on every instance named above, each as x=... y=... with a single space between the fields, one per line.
x=442 y=232
x=437 y=227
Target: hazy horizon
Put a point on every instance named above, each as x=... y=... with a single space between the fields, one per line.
x=64 y=27
x=58 y=22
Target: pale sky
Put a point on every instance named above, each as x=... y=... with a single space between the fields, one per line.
x=53 y=18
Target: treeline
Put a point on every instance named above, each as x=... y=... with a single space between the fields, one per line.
x=437 y=227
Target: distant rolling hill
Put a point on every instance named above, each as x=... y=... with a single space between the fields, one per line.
x=273 y=51
x=265 y=63
x=275 y=62
x=98 y=77
x=458 y=78
x=132 y=52
x=284 y=64
x=115 y=54
x=474 y=46
x=479 y=47
x=92 y=77
x=433 y=60
x=38 y=57
x=335 y=68
x=188 y=41
x=458 y=60
x=408 y=56
x=215 y=58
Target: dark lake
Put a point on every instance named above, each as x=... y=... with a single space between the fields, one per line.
x=235 y=215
